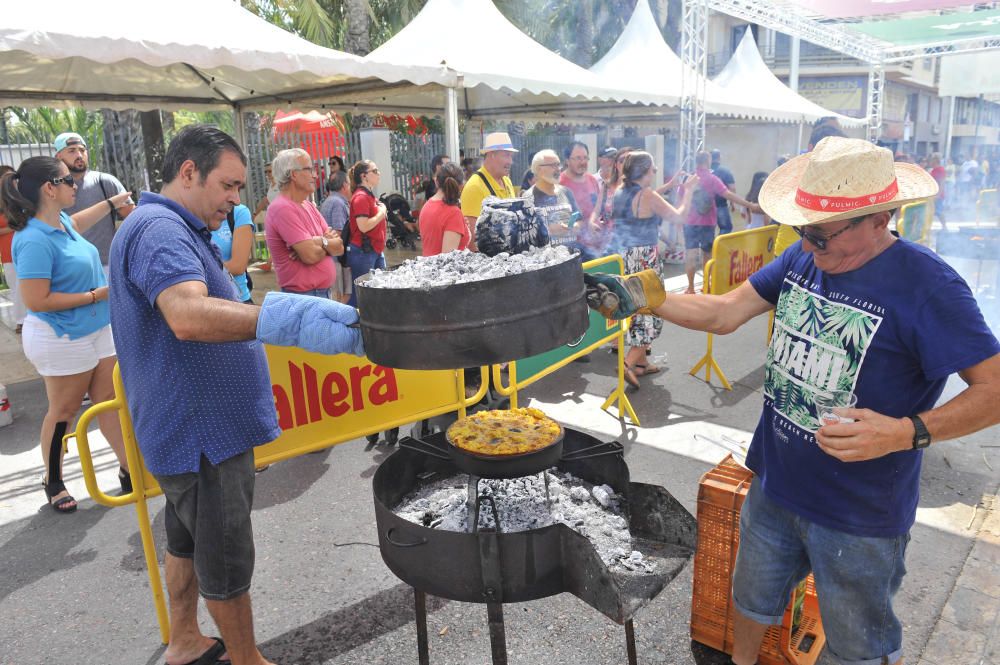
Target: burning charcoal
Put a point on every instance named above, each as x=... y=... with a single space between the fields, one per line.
x=618 y=522
x=635 y=556
x=579 y=494
x=602 y=494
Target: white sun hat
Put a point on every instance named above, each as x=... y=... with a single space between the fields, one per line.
x=497 y=141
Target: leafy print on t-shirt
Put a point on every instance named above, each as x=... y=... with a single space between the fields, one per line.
x=818 y=346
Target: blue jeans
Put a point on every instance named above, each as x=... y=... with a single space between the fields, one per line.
x=856 y=578
x=319 y=293
x=723 y=218
x=361 y=263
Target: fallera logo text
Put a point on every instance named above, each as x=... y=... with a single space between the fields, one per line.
x=313 y=399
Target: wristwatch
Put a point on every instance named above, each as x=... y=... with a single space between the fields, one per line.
x=324 y=241
x=921 y=437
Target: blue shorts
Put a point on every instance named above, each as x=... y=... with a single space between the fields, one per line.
x=699 y=237
x=856 y=579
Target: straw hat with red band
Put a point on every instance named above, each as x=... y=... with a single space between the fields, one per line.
x=842 y=179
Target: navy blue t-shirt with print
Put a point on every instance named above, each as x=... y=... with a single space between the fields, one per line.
x=187 y=399
x=892 y=331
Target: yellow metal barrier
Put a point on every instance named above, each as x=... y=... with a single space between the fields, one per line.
x=599 y=332
x=735 y=256
x=323 y=401
x=987 y=206
x=914 y=221
x=311 y=392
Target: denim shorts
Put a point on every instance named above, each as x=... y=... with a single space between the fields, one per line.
x=699 y=237
x=208 y=519
x=856 y=579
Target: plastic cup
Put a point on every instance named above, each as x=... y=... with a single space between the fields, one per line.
x=828 y=404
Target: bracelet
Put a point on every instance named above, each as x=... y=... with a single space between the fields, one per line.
x=93 y=297
x=110 y=205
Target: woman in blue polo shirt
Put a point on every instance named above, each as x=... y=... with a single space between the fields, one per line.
x=67 y=332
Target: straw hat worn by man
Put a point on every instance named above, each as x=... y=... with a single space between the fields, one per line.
x=492 y=179
x=856 y=309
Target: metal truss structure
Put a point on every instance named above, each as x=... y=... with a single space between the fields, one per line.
x=694 y=55
x=784 y=16
x=876 y=88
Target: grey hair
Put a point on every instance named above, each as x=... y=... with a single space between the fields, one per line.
x=540 y=157
x=284 y=163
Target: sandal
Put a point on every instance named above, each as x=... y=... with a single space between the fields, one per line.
x=631 y=378
x=125 y=480
x=645 y=369
x=211 y=655
x=60 y=506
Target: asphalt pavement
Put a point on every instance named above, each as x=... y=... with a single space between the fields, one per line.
x=73 y=588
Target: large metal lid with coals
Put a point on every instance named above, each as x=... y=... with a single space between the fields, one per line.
x=474 y=323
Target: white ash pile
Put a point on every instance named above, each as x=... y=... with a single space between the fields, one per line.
x=458 y=267
x=594 y=511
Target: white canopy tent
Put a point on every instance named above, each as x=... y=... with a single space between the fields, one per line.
x=746 y=76
x=500 y=72
x=641 y=59
x=192 y=54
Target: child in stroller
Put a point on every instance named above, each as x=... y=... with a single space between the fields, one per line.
x=402 y=226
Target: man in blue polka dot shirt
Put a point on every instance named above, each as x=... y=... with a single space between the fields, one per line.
x=184 y=340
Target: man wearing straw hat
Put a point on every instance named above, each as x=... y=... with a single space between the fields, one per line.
x=493 y=179
x=862 y=314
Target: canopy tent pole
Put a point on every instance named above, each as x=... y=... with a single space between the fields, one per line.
x=948 y=130
x=798 y=144
x=793 y=70
x=451 y=123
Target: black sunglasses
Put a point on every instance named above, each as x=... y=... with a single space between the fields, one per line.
x=65 y=180
x=820 y=240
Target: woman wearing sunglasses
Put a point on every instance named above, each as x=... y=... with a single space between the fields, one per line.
x=67 y=332
x=366 y=229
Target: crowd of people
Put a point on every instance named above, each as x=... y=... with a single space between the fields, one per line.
x=162 y=288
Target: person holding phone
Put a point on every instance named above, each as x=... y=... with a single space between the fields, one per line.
x=554 y=203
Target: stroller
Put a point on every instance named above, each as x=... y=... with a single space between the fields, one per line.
x=398 y=212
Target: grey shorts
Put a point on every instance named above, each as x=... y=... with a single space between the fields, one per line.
x=208 y=520
x=699 y=237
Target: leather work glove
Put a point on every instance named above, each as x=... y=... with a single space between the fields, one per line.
x=318 y=325
x=617 y=297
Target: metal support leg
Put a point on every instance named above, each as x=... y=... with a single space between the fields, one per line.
x=498 y=635
x=630 y=642
x=420 y=604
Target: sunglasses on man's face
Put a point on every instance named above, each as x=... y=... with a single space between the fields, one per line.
x=65 y=180
x=820 y=240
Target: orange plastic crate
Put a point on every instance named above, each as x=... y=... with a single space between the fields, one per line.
x=720 y=498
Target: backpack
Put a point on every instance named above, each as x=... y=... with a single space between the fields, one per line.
x=702 y=202
x=509 y=225
x=231 y=220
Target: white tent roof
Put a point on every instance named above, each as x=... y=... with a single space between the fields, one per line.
x=195 y=54
x=746 y=76
x=503 y=71
x=641 y=59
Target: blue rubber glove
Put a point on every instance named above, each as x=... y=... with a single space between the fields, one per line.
x=318 y=325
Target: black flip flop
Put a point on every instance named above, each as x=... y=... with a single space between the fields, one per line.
x=211 y=655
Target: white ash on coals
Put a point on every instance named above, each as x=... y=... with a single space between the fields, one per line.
x=459 y=267
x=594 y=511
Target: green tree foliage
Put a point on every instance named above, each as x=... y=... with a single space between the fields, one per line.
x=42 y=125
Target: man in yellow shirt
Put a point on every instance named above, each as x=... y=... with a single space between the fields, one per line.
x=493 y=179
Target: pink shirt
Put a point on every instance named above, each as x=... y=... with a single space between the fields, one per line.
x=287 y=223
x=709 y=183
x=585 y=192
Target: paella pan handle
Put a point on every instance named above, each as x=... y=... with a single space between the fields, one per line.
x=388 y=536
x=424 y=448
x=596 y=450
